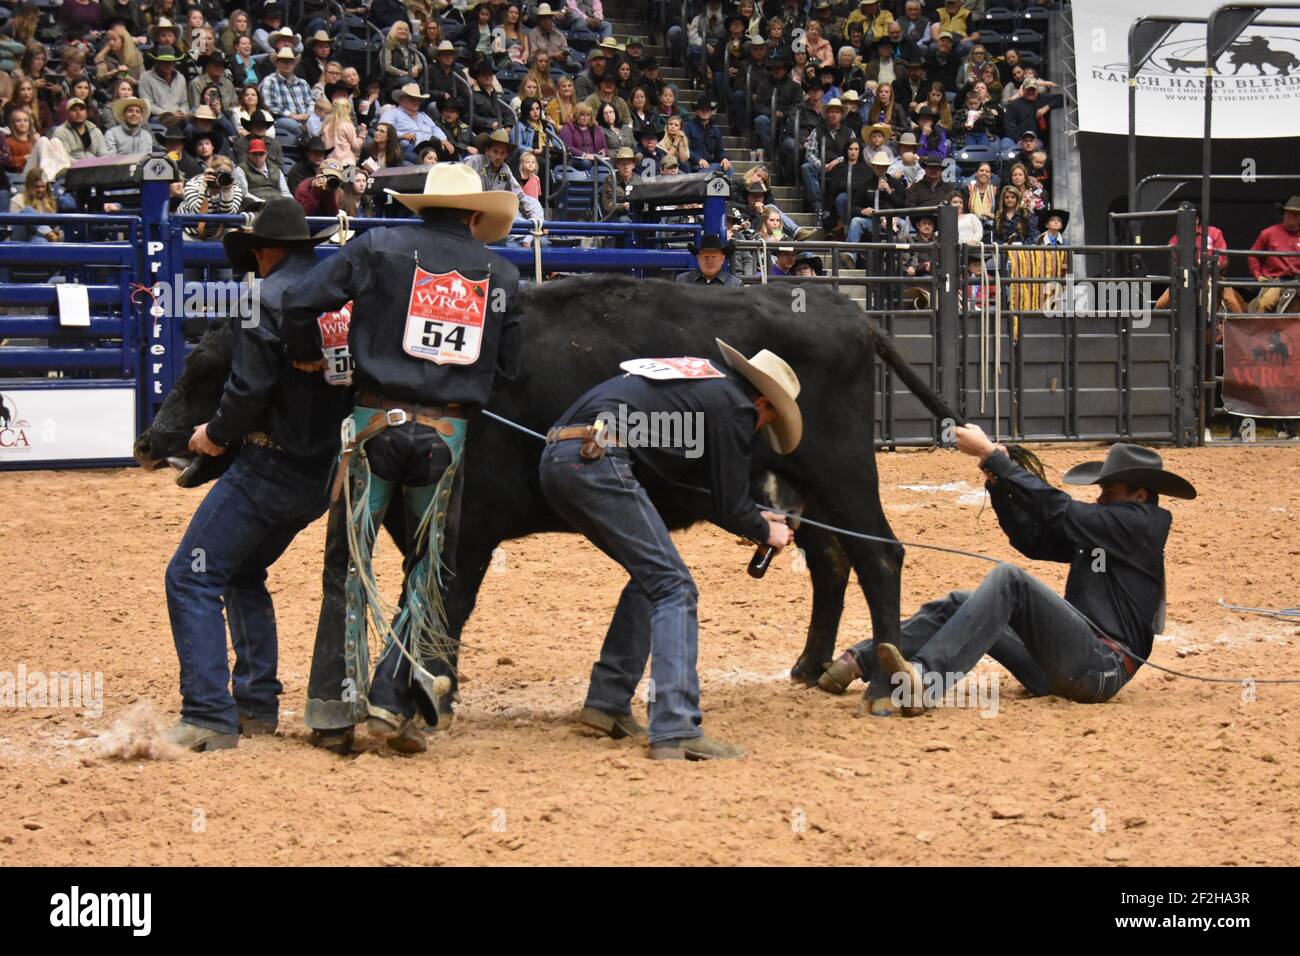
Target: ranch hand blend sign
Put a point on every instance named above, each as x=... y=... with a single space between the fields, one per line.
x=1256 y=84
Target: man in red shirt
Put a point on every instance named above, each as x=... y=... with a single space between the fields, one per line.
x=1280 y=237
x=1231 y=297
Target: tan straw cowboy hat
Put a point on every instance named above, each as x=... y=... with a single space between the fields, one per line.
x=770 y=374
x=456 y=186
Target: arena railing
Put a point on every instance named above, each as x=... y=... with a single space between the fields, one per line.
x=60 y=360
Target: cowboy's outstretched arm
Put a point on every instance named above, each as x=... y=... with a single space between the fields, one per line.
x=327 y=287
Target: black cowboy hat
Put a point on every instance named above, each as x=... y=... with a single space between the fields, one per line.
x=215 y=56
x=262 y=115
x=914 y=60
x=332 y=88
x=649 y=63
x=933 y=160
x=712 y=242
x=726 y=22
x=780 y=61
x=313 y=144
x=1060 y=214
x=646 y=129
x=280 y=223
x=1134 y=466
x=809 y=258
x=705 y=101
x=175 y=133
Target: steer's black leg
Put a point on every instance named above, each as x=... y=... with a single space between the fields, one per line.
x=851 y=498
x=828 y=566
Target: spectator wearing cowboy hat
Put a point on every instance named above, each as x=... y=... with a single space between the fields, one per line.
x=487 y=107
x=131 y=134
x=614 y=192
x=931 y=189
x=545 y=38
x=270 y=20
x=213 y=65
x=705 y=138
x=414 y=392
x=281 y=428
x=406 y=115
x=711 y=254
x=287 y=97
x=1084 y=647
x=205 y=122
x=164 y=87
x=312 y=66
x=589 y=474
x=314 y=152
x=1279 y=237
x=829 y=143
x=491 y=164
x=808 y=264
x=257 y=125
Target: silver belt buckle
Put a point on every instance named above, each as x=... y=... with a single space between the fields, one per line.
x=396 y=416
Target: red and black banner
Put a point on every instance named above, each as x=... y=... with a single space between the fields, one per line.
x=1261 y=366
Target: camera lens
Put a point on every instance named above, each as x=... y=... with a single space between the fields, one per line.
x=332 y=182
x=225 y=179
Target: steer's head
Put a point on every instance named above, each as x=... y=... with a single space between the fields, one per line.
x=192 y=401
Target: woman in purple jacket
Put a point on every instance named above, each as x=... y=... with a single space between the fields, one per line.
x=583 y=138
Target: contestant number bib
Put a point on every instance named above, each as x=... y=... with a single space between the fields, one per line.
x=444 y=320
x=334 y=345
x=667 y=369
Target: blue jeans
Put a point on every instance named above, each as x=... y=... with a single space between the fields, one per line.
x=1018 y=621
x=813 y=185
x=656 y=613
x=240 y=529
x=861 y=229
x=287 y=130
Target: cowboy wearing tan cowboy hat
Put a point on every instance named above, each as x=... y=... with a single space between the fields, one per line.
x=1084 y=646
x=490 y=162
x=434 y=317
x=590 y=471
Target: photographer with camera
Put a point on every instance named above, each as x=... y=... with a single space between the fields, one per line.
x=740 y=225
x=319 y=195
x=212 y=191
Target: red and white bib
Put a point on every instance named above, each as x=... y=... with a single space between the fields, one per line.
x=444 y=319
x=668 y=369
x=334 y=345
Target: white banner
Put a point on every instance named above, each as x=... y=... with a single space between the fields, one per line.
x=1256 y=89
x=65 y=424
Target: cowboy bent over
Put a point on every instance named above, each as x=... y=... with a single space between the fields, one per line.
x=434 y=318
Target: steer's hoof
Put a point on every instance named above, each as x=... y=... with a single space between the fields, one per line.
x=807 y=672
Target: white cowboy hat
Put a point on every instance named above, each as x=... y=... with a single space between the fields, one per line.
x=456 y=186
x=119 y=106
x=771 y=375
x=409 y=89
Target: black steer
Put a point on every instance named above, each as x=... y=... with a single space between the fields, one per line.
x=576 y=332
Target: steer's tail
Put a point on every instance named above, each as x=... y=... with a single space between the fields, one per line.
x=888 y=352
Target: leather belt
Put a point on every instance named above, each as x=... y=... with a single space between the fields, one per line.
x=393 y=414
x=428 y=415
x=262 y=440
x=595 y=439
x=1130 y=665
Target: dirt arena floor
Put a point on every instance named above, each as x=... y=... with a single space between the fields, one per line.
x=1172 y=772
